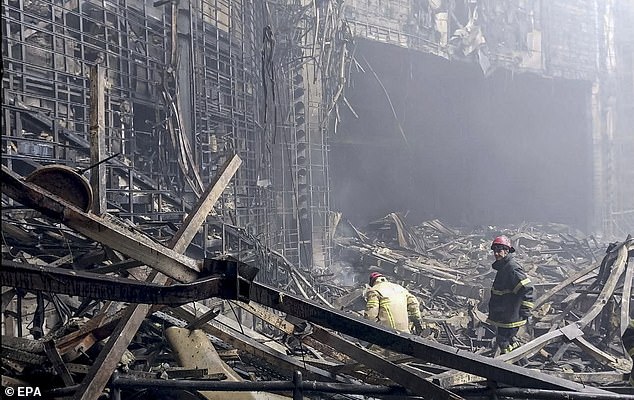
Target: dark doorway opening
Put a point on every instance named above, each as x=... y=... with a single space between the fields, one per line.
x=438 y=139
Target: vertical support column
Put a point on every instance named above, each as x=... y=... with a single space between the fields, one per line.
x=98 y=138
x=314 y=226
x=600 y=216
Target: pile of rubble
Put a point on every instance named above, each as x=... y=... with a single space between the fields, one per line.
x=450 y=271
x=81 y=319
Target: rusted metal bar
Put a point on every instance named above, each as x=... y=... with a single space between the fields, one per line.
x=433 y=352
x=110 y=355
x=107 y=360
x=99 y=327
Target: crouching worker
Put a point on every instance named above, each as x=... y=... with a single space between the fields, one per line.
x=628 y=343
x=392 y=305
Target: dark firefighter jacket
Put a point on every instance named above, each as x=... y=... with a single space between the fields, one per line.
x=511 y=295
x=628 y=343
x=628 y=338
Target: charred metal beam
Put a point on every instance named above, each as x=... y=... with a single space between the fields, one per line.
x=626 y=296
x=521 y=393
x=58 y=364
x=433 y=352
x=223 y=284
x=569 y=332
x=560 y=286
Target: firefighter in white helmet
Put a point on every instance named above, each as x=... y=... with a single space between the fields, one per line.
x=391 y=305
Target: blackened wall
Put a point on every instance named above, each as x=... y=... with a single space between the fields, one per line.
x=473 y=149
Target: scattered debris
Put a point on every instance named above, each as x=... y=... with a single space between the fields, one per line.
x=71 y=339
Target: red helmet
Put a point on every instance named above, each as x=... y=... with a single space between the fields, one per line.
x=374 y=276
x=504 y=241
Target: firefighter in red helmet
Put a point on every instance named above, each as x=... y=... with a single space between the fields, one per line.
x=511 y=295
x=391 y=305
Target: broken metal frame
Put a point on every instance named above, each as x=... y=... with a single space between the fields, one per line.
x=397 y=373
x=256 y=349
x=440 y=354
x=415 y=346
x=109 y=233
x=106 y=231
x=106 y=362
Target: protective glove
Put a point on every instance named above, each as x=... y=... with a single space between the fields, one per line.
x=418 y=327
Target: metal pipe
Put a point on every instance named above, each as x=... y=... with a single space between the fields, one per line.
x=526 y=393
x=82 y=170
x=558 y=394
x=261 y=386
x=298 y=392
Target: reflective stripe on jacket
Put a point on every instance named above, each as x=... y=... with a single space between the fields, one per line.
x=391 y=305
x=511 y=295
